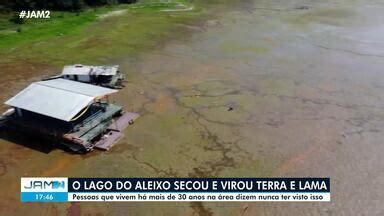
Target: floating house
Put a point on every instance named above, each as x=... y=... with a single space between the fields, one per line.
x=106 y=75
x=72 y=114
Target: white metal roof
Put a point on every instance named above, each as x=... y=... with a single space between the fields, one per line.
x=78 y=69
x=58 y=98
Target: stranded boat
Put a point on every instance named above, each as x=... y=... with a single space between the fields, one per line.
x=107 y=75
x=73 y=114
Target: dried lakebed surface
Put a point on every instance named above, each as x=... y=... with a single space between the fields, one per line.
x=268 y=88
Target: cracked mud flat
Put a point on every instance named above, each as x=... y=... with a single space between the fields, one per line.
x=304 y=82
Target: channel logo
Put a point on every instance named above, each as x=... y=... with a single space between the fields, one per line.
x=43 y=184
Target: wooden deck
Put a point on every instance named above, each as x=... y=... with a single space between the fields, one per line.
x=96 y=124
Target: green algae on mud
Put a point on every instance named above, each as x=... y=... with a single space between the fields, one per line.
x=128 y=33
x=299 y=110
x=63 y=23
x=45 y=46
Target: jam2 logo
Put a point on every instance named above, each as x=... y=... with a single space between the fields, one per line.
x=44 y=184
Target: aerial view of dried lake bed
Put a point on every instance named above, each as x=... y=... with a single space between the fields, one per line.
x=243 y=88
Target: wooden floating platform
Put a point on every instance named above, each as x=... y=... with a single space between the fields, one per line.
x=114 y=134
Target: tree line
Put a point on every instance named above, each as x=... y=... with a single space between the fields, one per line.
x=64 y=5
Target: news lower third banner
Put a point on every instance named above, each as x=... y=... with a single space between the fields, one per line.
x=175 y=189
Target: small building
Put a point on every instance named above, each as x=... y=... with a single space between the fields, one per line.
x=73 y=114
x=106 y=75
